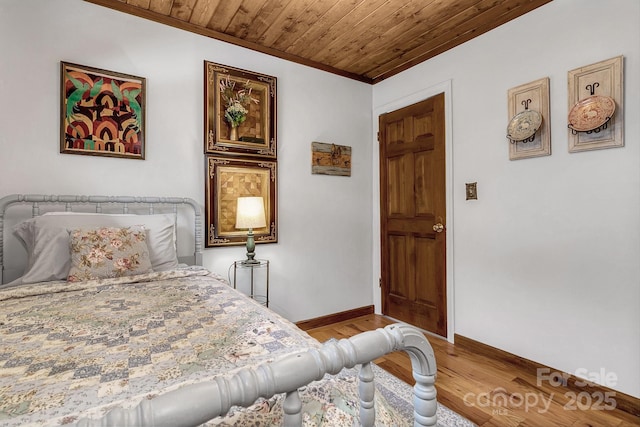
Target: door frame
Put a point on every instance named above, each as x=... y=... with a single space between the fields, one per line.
x=377 y=112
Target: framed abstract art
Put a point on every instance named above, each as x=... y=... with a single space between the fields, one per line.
x=102 y=113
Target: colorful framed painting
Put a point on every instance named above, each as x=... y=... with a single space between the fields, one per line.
x=240 y=111
x=102 y=113
x=230 y=178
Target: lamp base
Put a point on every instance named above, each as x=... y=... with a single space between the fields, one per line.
x=251 y=248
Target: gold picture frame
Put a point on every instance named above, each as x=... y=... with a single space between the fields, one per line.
x=102 y=113
x=229 y=178
x=233 y=93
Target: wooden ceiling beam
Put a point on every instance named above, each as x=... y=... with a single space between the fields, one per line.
x=248 y=13
x=284 y=23
x=160 y=6
x=173 y=22
x=331 y=23
x=349 y=20
x=203 y=11
x=364 y=40
x=347 y=42
x=424 y=39
x=271 y=10
x=448 y=40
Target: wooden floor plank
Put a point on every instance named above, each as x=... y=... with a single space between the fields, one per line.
x=489 y=392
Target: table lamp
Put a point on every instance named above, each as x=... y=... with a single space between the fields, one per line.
x=250 y=214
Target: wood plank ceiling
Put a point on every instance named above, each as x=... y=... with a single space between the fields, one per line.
x=366 y=40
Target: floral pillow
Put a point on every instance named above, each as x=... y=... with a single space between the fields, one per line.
x=98 y=253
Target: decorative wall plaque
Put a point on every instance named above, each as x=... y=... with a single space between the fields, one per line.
x=596 y=106
x=529 y=130
x=330 y=159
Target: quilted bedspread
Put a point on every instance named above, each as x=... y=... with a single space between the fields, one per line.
x=70 y=351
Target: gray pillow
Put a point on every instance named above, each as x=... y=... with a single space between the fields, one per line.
x=46 y=239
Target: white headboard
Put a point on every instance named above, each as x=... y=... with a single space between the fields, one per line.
x=39 y=204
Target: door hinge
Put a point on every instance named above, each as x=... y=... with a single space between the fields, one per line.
x=380 y=282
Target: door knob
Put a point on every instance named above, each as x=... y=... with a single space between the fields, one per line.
x=438 y=228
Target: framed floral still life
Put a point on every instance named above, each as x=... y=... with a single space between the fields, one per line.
x=102 y=112
x=240 y=111
x=229 y=178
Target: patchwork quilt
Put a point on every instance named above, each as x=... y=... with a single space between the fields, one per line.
x=75 y=350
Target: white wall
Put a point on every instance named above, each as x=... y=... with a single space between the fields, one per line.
x=321 y=263
x=547 y=260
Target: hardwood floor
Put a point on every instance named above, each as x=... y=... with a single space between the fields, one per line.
x=490 y=392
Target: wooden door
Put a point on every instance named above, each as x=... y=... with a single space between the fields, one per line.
x=413 y=203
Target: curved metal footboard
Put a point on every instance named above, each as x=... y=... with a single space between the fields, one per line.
x=195 y=404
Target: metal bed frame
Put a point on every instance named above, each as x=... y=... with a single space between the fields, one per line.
x=194 y=404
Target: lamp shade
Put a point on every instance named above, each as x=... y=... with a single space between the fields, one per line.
x=250 y=213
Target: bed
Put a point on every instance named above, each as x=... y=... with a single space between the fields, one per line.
x=105 y=321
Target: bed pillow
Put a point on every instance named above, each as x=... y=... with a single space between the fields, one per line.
x=46 y=239
x=104 y=252
x=161 y=232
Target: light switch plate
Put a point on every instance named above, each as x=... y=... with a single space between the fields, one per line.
x=472 y=190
